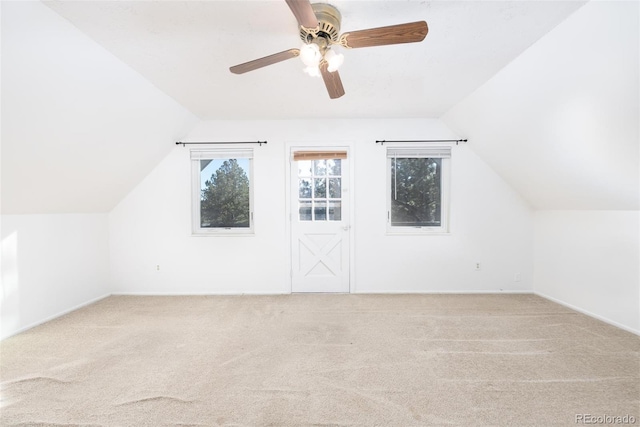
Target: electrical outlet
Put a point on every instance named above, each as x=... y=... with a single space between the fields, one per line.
x=517 y=277
x=477 y=266
x=158 y=267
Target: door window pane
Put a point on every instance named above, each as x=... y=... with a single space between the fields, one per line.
x=304 y=211
x=304 y=188
x=335 y=190
x=304 y=168
x=335 y=211
x=320 y=167
x=320 y=211
x=320 y=188
x=334 y=167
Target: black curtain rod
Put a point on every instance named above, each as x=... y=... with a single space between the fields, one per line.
x=184 y=144
x=457 y=141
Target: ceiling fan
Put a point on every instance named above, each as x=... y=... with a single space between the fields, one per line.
x=320 y=32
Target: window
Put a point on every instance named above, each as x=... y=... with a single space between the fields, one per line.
x=418 y=189
x=319 y=185
x=222 y=193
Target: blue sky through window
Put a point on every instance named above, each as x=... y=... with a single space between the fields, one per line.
x=212 y=167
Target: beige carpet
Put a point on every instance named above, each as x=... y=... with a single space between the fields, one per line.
x=400 y=360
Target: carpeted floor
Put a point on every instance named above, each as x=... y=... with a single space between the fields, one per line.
x=396 y=360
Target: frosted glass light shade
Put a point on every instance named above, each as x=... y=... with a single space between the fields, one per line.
x=312 y=71
x=334 y=60
x=310 y=55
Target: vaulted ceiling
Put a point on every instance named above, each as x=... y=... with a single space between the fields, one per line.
x=94 y=93
x=185 y=48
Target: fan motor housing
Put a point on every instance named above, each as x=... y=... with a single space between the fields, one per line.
x=329 y=19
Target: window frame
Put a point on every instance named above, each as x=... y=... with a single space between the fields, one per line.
x=422 y=151
x=196 y=155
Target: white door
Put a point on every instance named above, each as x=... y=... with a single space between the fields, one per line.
x=319 y=221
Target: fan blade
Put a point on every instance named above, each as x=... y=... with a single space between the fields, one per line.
x=331 y=81
x=395 y=34
x=263 y=62
x=303 y=12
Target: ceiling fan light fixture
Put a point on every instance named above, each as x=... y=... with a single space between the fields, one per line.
x=334 y=60
x=310 y=55
x=319 y=26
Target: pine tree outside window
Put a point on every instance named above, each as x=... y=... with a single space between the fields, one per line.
x=222 y=191
x=418 y=189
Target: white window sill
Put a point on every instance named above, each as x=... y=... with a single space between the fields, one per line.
x=223 y=233
x=416 y=231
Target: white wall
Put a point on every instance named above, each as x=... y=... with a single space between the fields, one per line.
x=590 y=260
x=51 y=264
x=490 y=224
x=151 y=226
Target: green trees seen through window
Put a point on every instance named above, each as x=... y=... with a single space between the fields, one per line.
x=224 y=201
x=416 y=192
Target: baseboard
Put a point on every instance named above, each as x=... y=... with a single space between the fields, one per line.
x=196 y=294
x=390 y=292
x=55 y=316
x=463 y=292
x=590 y=314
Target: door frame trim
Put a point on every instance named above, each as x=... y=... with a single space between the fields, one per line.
x=349 y=146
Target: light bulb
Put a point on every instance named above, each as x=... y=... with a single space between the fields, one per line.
x=312 y=71
x=334 y=60
x=310 y=55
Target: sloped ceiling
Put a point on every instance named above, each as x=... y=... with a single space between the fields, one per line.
x=185 y=48
x=561 y=122
x=95 y=93
x=79 y=127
